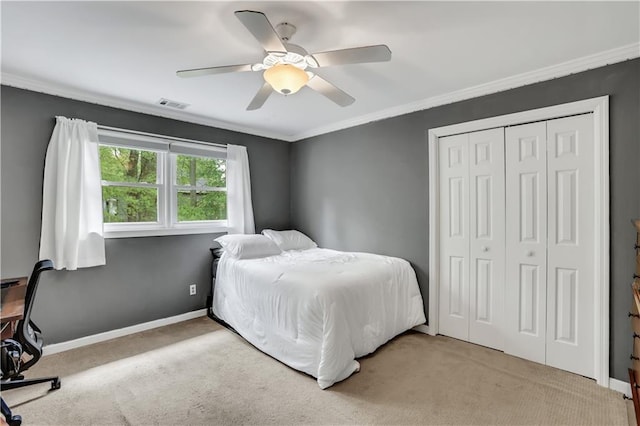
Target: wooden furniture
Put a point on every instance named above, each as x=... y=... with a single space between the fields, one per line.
x=634 y=372
x=12 y=298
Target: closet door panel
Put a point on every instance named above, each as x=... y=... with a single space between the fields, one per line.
x=526 y=241
x=486 y=221
x=570 y=344
x=453 y=165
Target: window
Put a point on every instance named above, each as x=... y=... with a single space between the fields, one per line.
x=152 y=185
x=200 y=185
x=131 y=184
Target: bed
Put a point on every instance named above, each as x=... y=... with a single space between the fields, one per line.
x=315 y=309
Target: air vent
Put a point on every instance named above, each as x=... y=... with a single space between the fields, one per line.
x=172 y=104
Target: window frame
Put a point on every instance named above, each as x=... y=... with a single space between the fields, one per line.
x=174 y=188
x=166 y=183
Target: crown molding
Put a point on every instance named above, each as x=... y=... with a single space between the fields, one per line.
x=573 y=66
x=49 y=88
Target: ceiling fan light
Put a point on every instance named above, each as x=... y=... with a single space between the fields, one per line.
x=286 y=79
x=311 y=61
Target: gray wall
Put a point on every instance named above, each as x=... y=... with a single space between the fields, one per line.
x=145 y=278
x=366 y=188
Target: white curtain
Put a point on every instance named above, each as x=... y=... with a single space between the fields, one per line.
x=239 y=207
x=72 y=234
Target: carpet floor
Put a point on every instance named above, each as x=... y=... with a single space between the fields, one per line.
x=198 y=373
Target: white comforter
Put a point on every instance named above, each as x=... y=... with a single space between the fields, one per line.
x=317 y=310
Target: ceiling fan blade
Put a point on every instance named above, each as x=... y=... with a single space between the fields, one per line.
x=327 y=89
x=356 y=55
x=197 y=72
x=258 y=25
x=260 y=97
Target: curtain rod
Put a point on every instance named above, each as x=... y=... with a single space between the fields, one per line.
x=154 y=135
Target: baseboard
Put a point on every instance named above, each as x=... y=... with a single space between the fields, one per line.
x=112 y=334
x=620 y=386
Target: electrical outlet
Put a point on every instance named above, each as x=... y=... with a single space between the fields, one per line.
x=192 y=289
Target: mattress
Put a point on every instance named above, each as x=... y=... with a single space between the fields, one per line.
x=318 y=310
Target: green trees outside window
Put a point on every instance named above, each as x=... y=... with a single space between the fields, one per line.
x=131 y=186
x=201 y=188
x=137 y=201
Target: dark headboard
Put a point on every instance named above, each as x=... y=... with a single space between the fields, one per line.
x=216 y=252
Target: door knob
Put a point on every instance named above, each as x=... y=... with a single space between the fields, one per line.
x=530 y=253
x=484 y=248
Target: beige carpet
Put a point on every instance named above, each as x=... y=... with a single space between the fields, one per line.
x=197 y=373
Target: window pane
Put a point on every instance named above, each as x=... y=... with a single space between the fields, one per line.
x=202 y=205
x=128 y=165
x=123 y=204
x=199 y=171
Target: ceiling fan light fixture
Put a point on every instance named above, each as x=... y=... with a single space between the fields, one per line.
x=311 y=61
x=287 y=67
x=286 y=79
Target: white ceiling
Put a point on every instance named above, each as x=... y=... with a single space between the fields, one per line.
x=125 y=54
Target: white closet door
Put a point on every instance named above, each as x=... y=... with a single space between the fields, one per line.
x=570 y=288
x=526 y=241
x=486 y=225
x=454 y=236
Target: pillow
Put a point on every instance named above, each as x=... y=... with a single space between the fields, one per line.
x=251 y=246
x=290 y=240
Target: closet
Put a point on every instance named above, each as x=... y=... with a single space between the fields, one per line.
x=516 y=243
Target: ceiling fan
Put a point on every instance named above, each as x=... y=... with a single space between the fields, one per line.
x=287 y=67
